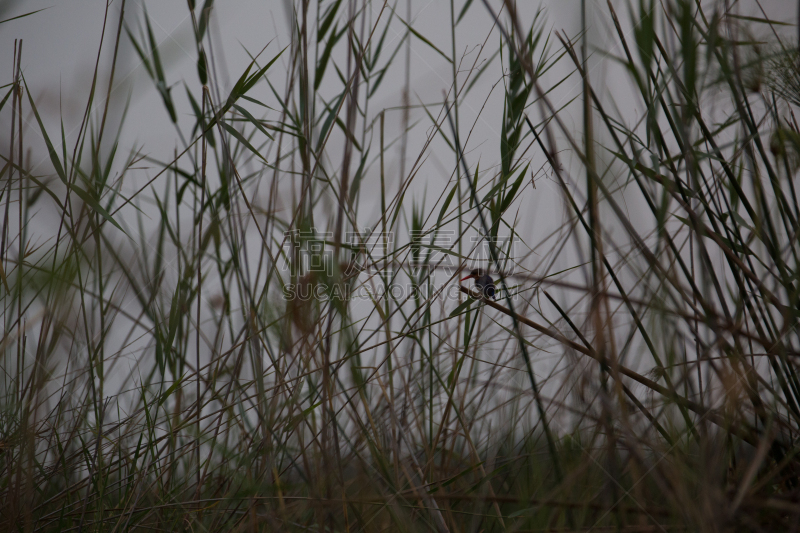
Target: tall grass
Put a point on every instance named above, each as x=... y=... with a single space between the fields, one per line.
x=266 y=331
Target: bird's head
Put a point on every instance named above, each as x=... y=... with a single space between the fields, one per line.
x=475 y=274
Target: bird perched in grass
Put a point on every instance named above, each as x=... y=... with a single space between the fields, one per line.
x=483 y=281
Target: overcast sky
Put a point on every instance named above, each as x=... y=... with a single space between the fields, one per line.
x=61 y=43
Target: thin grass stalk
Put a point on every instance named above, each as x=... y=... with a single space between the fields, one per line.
x=523 y=347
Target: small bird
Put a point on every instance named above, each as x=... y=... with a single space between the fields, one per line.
x=483 y=281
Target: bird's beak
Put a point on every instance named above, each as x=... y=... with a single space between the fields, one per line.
x=462 y=279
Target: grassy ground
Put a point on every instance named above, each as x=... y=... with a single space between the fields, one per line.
x=266 y=331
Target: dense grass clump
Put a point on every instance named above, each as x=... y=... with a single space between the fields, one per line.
x=261 y=326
